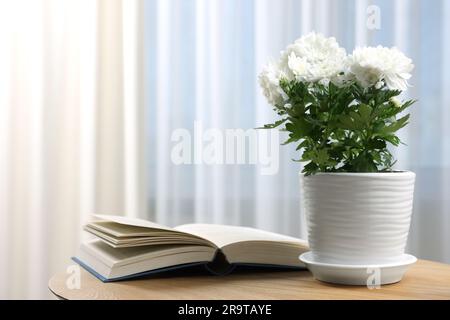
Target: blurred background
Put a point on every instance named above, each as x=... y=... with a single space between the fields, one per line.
x=91 y=91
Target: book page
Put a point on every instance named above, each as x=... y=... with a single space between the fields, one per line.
x=132 y=222
x=122 y=232
x=110 y=256
x=222 y=235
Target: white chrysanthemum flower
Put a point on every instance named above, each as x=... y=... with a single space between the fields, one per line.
x=315 y=58
x=312 y=58
x=371 y=65
x=269 y=80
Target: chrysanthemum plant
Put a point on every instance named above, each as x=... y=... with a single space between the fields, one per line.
x=340 y=110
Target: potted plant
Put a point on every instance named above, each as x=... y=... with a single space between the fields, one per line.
x=343 y=112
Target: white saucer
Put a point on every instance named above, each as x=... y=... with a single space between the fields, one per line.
x=366 y=275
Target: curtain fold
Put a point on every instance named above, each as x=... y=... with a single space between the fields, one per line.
x=71 y=117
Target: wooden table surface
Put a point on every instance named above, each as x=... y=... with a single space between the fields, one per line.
x=424 y=280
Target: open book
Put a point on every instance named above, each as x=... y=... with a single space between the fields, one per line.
x=126 y=248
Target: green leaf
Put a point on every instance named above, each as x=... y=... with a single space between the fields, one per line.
x=273 y=125
x=299 y=128
x=397 y=125
x=292 y=138
x=394 y=140
x=364 y=163
x=365 y=113
x=376 y=144
x=351 y=121
x=321 y=157
x=301 y=145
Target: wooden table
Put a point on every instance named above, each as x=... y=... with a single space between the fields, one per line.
x=424 y=280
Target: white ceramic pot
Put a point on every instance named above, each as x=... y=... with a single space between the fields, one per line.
x=358 y=218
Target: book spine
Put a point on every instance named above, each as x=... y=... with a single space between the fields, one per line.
x=220 y=265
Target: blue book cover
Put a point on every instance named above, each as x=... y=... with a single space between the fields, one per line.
x=210 y=267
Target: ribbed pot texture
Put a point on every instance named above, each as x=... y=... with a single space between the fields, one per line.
x=358 y=218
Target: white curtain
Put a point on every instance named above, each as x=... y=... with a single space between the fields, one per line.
x=92 y=90
x=71 y=114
